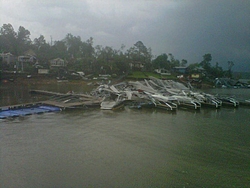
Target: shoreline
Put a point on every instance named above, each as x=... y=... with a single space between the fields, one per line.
x=48 y=80
x=32 y=81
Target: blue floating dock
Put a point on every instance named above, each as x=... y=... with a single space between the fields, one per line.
x=24 y=111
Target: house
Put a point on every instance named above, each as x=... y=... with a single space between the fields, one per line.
x=195 y=76
x=136 y=65
x=57 y=63
x=8 y=58
x=162 y=72
x=28 y=57
x=181 y=70
x=25 y=61
x=229 y=83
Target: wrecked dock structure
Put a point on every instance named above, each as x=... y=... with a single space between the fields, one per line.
x=56 y=103
x=69 y=100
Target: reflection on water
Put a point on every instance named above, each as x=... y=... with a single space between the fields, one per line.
x=127 y=148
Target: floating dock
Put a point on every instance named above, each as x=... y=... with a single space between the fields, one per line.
x=29 y=109
x=245 y=103
x=56 y=103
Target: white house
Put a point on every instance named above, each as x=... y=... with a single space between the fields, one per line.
x=8 y=58
x=137 y=65
x=162 y=71
x=57 y=63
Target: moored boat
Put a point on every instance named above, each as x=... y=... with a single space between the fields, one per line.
x=229 y=101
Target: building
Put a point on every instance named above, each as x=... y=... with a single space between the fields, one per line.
x=229 y=83
x=57 y=63
x=162 y=72
x=136 y=65
x=26 y=59
x=8 y=58
x=181 y=70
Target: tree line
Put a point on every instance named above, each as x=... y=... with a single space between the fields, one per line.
x=84 y=56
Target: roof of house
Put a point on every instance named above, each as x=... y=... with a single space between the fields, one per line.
x=180 y=67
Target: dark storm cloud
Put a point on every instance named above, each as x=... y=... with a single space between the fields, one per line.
x=221 y=28
x=186 y=28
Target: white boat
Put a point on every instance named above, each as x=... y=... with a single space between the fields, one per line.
x=187 y=102
x=229 y=101
x=205 y=99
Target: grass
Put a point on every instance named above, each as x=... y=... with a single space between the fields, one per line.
x=145 y=75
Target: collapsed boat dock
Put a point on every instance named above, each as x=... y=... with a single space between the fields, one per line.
x=155 y=93
x=25 y=110
x=68 y=100
x=57 y=102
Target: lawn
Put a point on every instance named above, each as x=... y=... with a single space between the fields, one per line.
x=145 y=75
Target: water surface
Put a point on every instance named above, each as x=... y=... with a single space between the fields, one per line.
x=126 y=148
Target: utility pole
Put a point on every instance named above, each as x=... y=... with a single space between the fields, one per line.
x=51 y=40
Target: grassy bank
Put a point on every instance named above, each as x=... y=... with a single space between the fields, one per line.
x=45 y=79
x=144 y=75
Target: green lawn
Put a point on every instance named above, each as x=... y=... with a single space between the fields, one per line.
x=144 y=75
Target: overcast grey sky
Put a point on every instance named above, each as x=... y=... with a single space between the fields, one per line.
x=186 y=28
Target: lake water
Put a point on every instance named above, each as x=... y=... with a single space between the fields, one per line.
x=125 y=148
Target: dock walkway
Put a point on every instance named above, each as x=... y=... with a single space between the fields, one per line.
x=68 y=100
x=22 y=110
x=56 y=102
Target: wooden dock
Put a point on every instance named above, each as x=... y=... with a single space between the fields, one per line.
x=68 y=100
x=51 y=93
x=71 y=105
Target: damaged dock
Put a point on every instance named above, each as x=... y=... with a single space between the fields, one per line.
x=25 y=110
x=68 y=100
x=56 y=102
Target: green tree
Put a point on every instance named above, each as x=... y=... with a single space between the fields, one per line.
x=43 y=50
x=73 y=45
x=216 y=71
x=89 y=50
x=161 y=62
x=60 y=50
x=140 y=54
x=39 y=42
x=8 y=41
x=107 y=59
x=173 y=62
x=205 y=63
x=193 y=67
x=23 y=40
x=183 y=63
